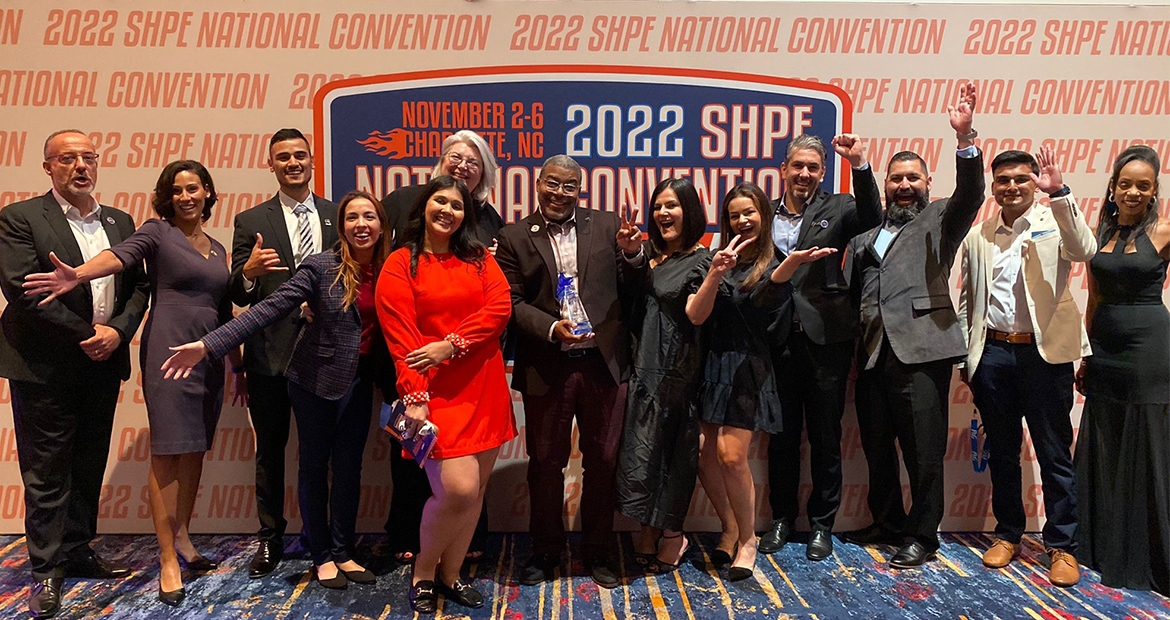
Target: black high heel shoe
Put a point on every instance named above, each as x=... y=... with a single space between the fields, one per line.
x=659 y=566
x=172 y=598
x=721 y=558
x=200 y=564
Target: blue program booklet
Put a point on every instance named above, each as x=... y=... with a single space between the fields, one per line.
x=419 y=445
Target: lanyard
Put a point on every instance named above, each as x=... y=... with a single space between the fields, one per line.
x=978 y=458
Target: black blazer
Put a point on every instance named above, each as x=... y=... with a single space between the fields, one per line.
x=906 y=296
x=820 y=293
x=268 y=351
x=41 y=343
x=398 y=203
x=526 y=256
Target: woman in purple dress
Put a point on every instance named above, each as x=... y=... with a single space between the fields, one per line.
x=189 y=276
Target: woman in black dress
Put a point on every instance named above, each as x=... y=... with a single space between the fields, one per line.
x=744 y=302
x=189 y=276
x=1123 y=449
x=659 y=454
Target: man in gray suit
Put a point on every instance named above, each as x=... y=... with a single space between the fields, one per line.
x=911 y=338
x=271 y=239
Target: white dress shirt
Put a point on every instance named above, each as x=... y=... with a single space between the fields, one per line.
x=1007 y=304
x=91 y=239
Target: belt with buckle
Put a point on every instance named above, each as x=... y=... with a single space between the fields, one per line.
x=1011 y=337
x=581 y=352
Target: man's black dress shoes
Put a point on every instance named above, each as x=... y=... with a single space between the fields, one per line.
x=94 y=566
x=45 y=599
x=820 y=545
x=874 y=534
x=911 y=556
x=270 y=553
x=776 y=537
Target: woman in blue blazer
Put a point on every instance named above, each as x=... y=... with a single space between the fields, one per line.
x=331 y=376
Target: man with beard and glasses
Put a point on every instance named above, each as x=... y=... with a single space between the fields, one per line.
x=271 y=240
x=65 y=361
x=813 y=349
x=911 y=338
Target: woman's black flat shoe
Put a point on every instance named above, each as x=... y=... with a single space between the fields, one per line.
x=336 y=582
x=172 y=598
x=461 y=593
x=363 y=576
x=422 y=597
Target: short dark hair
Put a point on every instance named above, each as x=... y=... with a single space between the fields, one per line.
x=1012 y=158
x=463 y=243
x=694 y=223
x=288 y=133
x=908 y=156
x=163 y=200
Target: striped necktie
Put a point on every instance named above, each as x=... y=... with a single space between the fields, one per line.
x=304 y=233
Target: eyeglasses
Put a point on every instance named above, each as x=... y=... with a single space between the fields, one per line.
x=457 y=161
x=68 y=159
x=567 y=188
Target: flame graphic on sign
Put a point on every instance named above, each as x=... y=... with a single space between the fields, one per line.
x=390 y=144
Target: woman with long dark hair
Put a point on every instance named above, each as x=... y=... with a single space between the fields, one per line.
x=443 y=303
x=659 y=454
x=743 y=302
x=1123 y=449
x=189 y=275
x=331 y=377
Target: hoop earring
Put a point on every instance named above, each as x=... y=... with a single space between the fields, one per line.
x=1109 y=197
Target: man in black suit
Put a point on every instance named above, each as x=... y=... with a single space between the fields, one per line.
x=271 y=239
x=813 y=354
x=571 y=359
x=911 y=338
x=65 y=362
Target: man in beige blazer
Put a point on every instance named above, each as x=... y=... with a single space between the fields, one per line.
x=1024 y=331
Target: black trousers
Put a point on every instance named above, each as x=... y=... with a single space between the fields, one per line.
x=63 y=442
x=811 y=379
x=271 y=413
x=907 y=403
x=1012 y=382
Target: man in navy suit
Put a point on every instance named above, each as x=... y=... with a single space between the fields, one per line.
x=270 y=241
x=65 y=362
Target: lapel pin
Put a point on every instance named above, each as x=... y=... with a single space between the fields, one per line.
x=535 y=228
x=328 y=223
x=824 y=223
x=110 y=221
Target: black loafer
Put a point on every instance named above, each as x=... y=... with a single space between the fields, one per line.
x=775 y=539
x=604 y=575
x=270 y=553
x=911 y=556
x=460 y=592
x=173 y=598
x=45 y=599
x=94 y=566
x=538 y=570
x=422 y=597
x=820 y=545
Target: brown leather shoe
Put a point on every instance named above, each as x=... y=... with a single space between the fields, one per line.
x=1000 y=554
x=1063 y=570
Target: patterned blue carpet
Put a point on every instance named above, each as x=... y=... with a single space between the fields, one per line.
x=854 y=583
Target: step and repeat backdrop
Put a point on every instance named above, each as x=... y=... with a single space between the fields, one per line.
x=637 y=92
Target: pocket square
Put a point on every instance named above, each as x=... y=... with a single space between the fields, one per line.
x=1037 y=234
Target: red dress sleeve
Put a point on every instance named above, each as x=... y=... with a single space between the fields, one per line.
x=395 y=301
x=489 y=321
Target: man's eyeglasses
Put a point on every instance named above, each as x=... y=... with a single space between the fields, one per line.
x=567 y=188
x=457 y=161
x=68 y=159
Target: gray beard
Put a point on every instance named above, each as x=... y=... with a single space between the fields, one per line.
x=904 y=215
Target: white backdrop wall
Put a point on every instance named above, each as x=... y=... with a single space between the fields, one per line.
x=153 y=84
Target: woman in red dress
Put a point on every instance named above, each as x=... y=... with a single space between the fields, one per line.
x=443 y=303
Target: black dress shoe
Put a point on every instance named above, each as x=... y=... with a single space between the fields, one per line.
x=820 y=545
x=911 y=556
x=775 y=539
x=422 y=597
x=200 y=564
x=172 y=598
x=270 y=553
x=603 y=574
x=94 y=566
x=874 y=534
x=461 y=593
x=45 y=599
x=538 y=570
